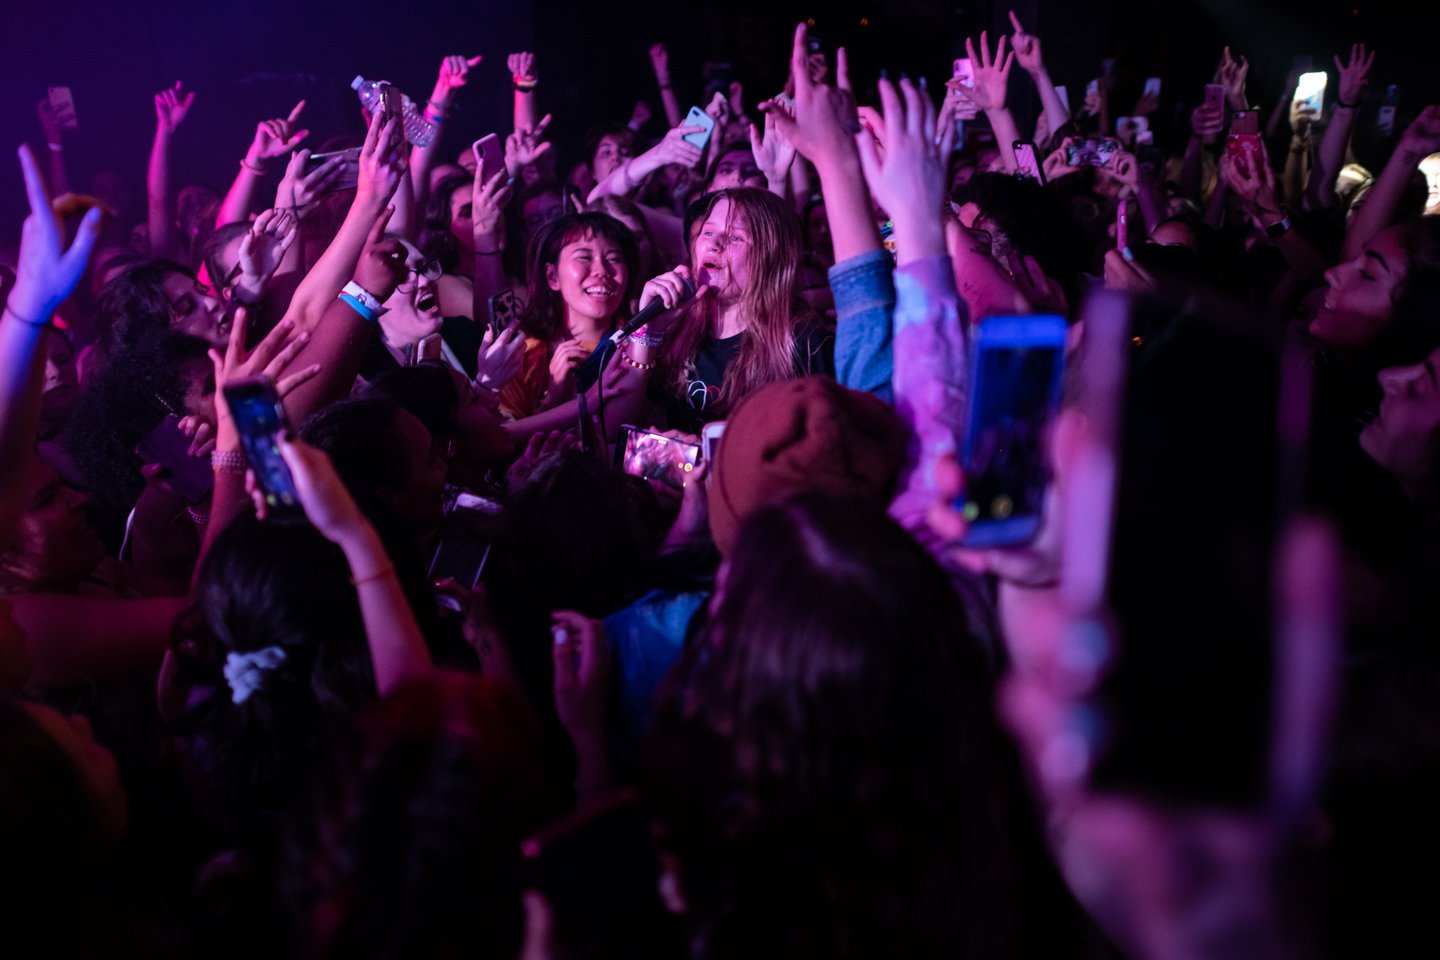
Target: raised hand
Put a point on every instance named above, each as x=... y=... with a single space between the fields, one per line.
x=499 y=358
x=1422 y=137
x=1255 y=185
x=262 y=249
x=1026 y=47
x=275 y=138
x=992 y=74
x=773 y=153
x=271 y=358
x=568 y=355
x=823 y=124
x=660 y=60
x=582 y=674
x=454 y=72
x=909 y=181
x=640 y=115
x=382 y=161
x=45 y=274
x=1353 y=75
x=522 y=67
x=171 y=106
x=1207 y=122
x=488 y=199
x=55 y=122
x=674 y=149
x=328 y=505
x=300 y=189
x=524 y=147
x=1232 y=76
x=382 y=263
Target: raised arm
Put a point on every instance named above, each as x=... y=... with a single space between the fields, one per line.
x=1027 y=53
x=660 y=60
x=454 y=73
x=273 y=139
x=382 y=164
x=824 y=128
x=524 y=77
x=170 y=110
x=626 y=178
x=44 y=277
x=1420 y=139
x=773 y=155
x=489 y=196
x=55 y=123
x=1320 y=191
x=397 y=648
x=992 y=80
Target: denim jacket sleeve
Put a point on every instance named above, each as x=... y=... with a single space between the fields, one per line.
x=864 y=301
x=930 y=356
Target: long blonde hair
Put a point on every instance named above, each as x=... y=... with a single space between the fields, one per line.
x=771 y=306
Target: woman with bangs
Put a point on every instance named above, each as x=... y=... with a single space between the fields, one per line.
x=746 y=325
x=581 y=268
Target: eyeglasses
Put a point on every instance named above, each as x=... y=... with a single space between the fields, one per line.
x=428 y=269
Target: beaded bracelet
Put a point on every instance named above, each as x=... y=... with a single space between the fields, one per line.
x=228 y=461
x=525 y=85
x=630 y=361
x=259 y=171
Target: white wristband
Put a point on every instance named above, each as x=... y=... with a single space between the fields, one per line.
x=366 y=298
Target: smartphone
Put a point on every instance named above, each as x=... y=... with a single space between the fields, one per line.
x=964 y=74
x=699 y=118
x=503 y=311
x=1385 y=117
x=260 y=420
x=349 y=173
x=393 y=100
x=1092 y=88
x=61 y=97
x=1215 y=97
x=461 y=559
x=492 y=153
x=1122 y=225
x=1016 y=369
x=1152 y=87
x=167 y=445
x=710 y=439
x=653 y=456
x=1311 y=91
x=1092 y=152
x=1028 y=161
x=598 y=871
x=1243 y=143
x=1128 y=128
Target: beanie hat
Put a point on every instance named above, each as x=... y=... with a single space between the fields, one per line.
x=808 y=435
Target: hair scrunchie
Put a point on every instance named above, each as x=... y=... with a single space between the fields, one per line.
x=247 y=672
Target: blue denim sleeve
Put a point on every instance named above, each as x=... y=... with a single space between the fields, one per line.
x=864 y=293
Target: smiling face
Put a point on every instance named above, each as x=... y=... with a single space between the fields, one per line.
x=1359 y=299
x=592 y=278
x=721 y=252
x=1404 y=437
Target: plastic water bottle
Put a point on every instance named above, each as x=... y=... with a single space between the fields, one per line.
x=418 y=130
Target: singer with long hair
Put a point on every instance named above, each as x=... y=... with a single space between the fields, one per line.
x=745 y=325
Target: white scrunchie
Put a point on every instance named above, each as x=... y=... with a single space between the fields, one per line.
x=246 y=672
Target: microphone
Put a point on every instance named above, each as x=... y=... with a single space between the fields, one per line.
x=589 y=370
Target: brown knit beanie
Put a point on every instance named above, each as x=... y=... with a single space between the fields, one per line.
x=809 y=435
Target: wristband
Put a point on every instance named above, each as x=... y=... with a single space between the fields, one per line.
x=360 y=308
x=1277 y=229
x=524 y=85
x=1347 y=106
x=256 y=169
x=365 y=298
x=228 y=461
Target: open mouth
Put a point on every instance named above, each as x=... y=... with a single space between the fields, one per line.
x=426 y=302
x=600 y=292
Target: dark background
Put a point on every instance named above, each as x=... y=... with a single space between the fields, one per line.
x=252 y=60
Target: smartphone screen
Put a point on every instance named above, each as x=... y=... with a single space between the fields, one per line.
x=1243 y=142
x=1122 y=226
x=1015 y=378
x=699 y=118
x=492 y=153
x=61 y=97
x=652 y=456
x=1215 y=96
x=1152 y=87
x=1092 y=153
x=167 y=445
x=1063 y=93
x=260 y=419
x=459 y=559
x=1310 y=91
x=1028 y=162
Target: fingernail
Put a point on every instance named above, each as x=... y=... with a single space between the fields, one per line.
x=884 y=74
x=924 y=84
x=561 y=635
x=904 y=77
x=1125 y=252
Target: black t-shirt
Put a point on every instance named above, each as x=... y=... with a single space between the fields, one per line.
x=814 y=355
